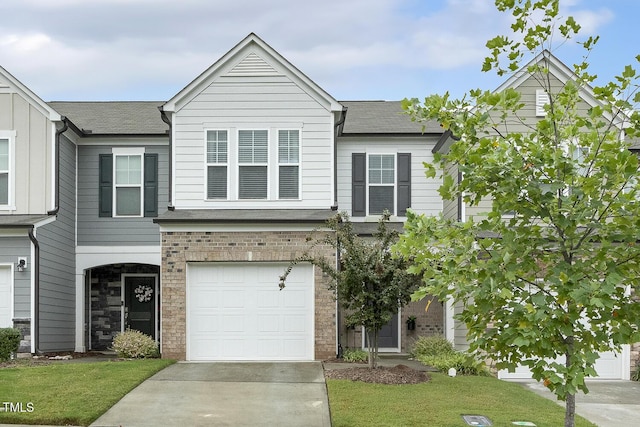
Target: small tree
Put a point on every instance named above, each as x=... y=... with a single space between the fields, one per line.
x=548 y=277
x=369 y=283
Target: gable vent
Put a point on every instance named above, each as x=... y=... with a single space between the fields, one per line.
x=253 y=65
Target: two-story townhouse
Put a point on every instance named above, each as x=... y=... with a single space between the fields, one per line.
x=37 y=220
x=610 y=365
x=181 y=215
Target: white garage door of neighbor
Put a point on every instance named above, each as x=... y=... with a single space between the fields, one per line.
x=235 y=311
x=5 y=297
x=610 y=366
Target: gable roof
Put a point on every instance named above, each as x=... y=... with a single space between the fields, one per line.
x=250 y=57
x=114 y=118
x=383 y=117
x=7 y=81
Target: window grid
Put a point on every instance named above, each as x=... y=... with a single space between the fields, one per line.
x=288 y=164
x=381 y=172
x=128 y=185
x=217 y=158
x=4 y=171
x=253 y=157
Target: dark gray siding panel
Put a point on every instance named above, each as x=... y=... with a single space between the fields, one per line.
x=96 y=231
x=10 y=249
x=57 y=263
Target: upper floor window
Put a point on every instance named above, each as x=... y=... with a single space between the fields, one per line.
x=253 y=164
x=7 y=167
x=4 y=171
x=288 y=164
x=380 y=182
x=217 y=161
x=128 y=183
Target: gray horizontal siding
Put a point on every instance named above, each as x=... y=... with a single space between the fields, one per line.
x=10 y=249
x=57 y=263
x=96 y=231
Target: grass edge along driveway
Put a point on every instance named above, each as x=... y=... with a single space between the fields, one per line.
x=70 y=393
x=440 y=402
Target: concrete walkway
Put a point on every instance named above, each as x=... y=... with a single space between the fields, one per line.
x=226 y=394
x=608 y=403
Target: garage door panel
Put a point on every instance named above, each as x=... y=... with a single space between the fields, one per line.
x=257 y=320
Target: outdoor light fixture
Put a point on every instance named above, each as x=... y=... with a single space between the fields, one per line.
x=22 y=264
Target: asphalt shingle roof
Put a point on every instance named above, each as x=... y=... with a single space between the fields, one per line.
x=114 y=118
x=383 y=117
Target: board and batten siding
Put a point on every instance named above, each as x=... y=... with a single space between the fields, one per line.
x=100 y=231
x=33 y=153
x=234 y=103
x=450 y=207
x=57 y=263
x=424 y=191
x=10 y=249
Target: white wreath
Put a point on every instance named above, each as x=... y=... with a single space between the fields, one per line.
x=144 y=293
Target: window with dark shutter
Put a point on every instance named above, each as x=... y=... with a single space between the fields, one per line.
x=381 y=183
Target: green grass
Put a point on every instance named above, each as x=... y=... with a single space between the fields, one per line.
x=440 y=402
x=71 y=393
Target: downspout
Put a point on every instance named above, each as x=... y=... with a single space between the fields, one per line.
x=165 y=118
x=338 y=126
x=35 y=327
x=56 y=196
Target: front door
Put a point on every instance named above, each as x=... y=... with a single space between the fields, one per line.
x=140 y=302
x=387 y=336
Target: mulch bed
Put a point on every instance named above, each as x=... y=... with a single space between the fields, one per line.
x=399 y=374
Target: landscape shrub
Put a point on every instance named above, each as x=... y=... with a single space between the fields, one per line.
x=355 y=356
x=438 y=352
x=431 y=346
x=9 y=343
x=133 y=344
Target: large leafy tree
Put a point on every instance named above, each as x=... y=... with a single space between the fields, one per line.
x=370 y=284
x=548 y=277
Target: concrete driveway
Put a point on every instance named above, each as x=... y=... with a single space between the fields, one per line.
x=608 y=403
x=226 y=394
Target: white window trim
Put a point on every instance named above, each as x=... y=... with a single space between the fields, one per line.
x=268 y=163
x=542 y=99
x=11 y=136
x=128 y=151
x=299 y=164
x=395 y=182
x=207 y=164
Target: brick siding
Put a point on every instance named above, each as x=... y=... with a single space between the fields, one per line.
x=181 y=248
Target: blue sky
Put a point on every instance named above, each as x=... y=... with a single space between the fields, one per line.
x=354 y=49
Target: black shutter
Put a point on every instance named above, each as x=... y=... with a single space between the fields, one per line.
x=151 y=185
x=358 y=184
x=404 y=183
x=105 y=185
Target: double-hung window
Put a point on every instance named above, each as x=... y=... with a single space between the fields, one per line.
x=253 y=159
x=288 y=164
x=217 y=164
x=4 y=171
x=380 y=182
x=128 y=185
x=7 y=169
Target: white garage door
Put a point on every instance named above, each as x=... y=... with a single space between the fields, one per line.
x=610 y=366
x=235 y=311
x=5 y=297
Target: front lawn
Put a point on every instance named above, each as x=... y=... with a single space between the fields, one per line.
x=69 y=393
x=440 y=402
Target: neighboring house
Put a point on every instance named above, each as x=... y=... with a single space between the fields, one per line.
x=610 y=365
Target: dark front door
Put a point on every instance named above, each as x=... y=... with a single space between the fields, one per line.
x=140 y=304
x=388 y=335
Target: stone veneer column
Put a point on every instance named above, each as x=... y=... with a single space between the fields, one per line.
x=181 y=248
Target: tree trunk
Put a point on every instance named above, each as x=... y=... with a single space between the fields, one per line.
x=570 y=403
x=372 y=338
